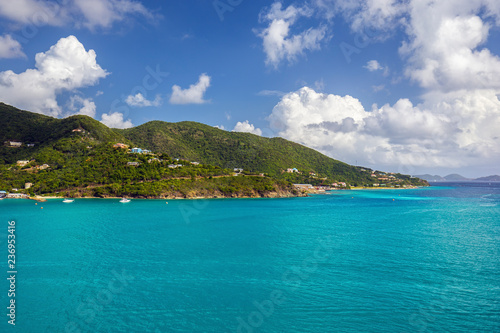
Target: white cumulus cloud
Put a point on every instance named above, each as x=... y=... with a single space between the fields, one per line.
x=33 y=12
x=10 y=48
x=192 y=95
x=373 y=65
x=82 y=106
x=115 y=120
x=140 y=101
x=446 y=50
x=372 y=15
x=66 y=66
x=247 y=128
x=278 y=41
x=453 y=130
x=103 y=13
x=91 y=14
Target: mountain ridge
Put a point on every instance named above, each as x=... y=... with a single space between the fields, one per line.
x=207 y=144
x=56 y=140
x=456 y=178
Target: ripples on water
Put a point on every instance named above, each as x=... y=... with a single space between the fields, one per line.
x=351 y=261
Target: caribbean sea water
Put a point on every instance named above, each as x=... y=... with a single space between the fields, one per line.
x=422 y=260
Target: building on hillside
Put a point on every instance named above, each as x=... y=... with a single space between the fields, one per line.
x=22 y=163
x=120 y=145
x=133 y=164
x=30 y=145
x=304 y=186
x=136 y=150
x=28 y=185
x=43 y=166
x=195 y=163
x=292 y=170
x=14 y=144
x=17 y=196
x=3 y=194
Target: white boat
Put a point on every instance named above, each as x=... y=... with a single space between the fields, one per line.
x=124 y=200
x=68 y=200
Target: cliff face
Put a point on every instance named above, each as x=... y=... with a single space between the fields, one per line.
x=202 y=188
x=199 y=194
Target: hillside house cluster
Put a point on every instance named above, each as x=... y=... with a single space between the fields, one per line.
x=37 y=167
x=17 y=196
x=304 y=186
x=17 y=144
x=140 y=151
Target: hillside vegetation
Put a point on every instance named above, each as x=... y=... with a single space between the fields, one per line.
x=44 y=132
x=75 y=156
x=206 y=144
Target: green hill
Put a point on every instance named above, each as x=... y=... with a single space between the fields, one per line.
x=43 y=131
x=79 y=151
x=206 y=144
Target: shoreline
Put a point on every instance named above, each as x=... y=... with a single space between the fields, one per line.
x=45 y=198
x=276 y=196
x=386 y=188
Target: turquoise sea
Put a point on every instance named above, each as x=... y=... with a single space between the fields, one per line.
x=422 y=260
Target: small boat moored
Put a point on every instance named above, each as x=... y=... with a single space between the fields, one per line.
x=124 y=200
x=68 y=200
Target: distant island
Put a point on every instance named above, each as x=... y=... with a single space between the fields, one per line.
x=81 y=157
x=458 y=178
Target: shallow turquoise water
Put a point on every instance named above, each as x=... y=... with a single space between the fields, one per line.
x=350 y=261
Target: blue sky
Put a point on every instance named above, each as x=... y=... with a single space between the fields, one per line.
x=404 y=86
